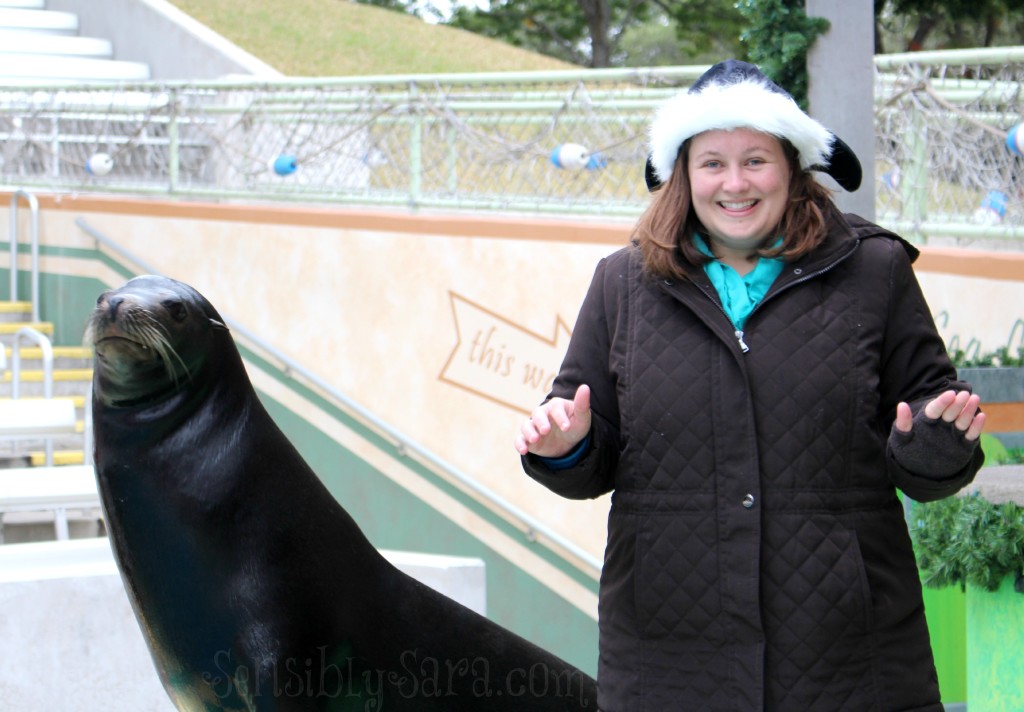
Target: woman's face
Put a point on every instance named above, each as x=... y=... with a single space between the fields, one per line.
x=739 y=183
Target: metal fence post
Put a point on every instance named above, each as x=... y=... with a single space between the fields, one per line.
x=915 y=175
x=173 y=145
x=415 y=147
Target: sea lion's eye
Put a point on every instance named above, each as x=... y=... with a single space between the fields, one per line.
x=176 y=309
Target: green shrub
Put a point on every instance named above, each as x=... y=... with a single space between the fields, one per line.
x=1001 y=357
x=961 y=540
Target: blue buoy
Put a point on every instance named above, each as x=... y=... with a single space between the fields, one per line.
x=285 y=164
x=1015 y=140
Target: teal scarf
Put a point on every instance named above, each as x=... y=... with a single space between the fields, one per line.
x=740 y=295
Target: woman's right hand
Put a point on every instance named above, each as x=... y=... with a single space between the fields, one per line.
x=556 y=427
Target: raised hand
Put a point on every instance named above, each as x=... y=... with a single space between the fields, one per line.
x=556 y=427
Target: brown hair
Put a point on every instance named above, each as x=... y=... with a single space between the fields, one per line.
x=664 y=232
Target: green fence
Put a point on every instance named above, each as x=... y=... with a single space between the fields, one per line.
x=568 y=142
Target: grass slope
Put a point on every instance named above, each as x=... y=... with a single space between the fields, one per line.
x=325 y=38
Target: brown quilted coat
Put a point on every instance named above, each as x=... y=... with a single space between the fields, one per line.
x=757 y=554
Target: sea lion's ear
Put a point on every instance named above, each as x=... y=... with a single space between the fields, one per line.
x=217 y=325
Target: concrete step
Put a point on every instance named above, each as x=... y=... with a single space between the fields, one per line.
x=78 y=400
x=67 y=450
x=28 y=68
x=15 y=311
x=42 y=21
x=36 y=389
x=10 y=328
x=37 y=458
x=31 y=43
x=64 y=357
x=32 y=377
x=24 y=4
x=59 y=375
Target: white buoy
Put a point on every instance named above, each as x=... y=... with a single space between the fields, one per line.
x=570 y=155
x=992 y=209
x=99 y=164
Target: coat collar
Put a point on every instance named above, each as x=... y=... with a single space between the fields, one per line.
x=844 y=234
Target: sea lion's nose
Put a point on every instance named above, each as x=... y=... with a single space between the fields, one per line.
x=113 y=303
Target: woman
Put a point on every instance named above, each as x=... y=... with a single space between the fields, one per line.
x=754 y=377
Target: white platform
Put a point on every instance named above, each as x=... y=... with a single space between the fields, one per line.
x=49 y=489
x=69 y=639
x=34 y=20
x=62 y=45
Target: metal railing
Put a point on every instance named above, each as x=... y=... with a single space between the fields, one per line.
x=33 y=205
x=530 y=526
x=46 y=349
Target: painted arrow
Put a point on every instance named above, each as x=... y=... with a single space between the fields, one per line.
x=499 y=360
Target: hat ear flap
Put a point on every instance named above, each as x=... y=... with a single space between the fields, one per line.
x=651 y=176
x=843 y=166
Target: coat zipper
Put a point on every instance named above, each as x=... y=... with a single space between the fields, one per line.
x=738 y=333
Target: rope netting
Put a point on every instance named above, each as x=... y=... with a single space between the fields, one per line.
x=947 y=150
x=567 y=142
x=574 y=144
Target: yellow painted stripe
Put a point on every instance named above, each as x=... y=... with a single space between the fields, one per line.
x=60 y=457
x=15 y=307
x=59 y=374
x=42 y=326
x=34 y=352
x=78 y=400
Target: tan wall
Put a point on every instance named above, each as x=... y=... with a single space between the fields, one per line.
x=446 y=327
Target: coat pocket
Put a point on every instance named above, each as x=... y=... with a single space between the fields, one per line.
x=816 y=603
x=676 y=581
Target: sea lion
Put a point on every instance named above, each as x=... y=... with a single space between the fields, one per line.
x=254 y=588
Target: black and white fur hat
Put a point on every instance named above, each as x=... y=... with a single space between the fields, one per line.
x=732 y=95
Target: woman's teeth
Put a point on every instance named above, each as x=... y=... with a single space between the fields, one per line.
x=737 y=206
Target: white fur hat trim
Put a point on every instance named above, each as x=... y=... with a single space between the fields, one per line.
x=744 y=104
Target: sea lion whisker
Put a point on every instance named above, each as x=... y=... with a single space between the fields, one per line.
x=157 y=339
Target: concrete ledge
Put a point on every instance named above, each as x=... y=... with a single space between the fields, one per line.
x=80 y=69
x=24 y=4
x=38 y=20
x=63 y=45
x=458 y=577
x=998 y=485
x=69 y=638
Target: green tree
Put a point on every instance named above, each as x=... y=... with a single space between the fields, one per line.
x=779 y=33
x=585 y=32
x=592 y=32
x=910 y=25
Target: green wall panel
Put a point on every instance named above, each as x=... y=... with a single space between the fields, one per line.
x=945 y=610
x=995 y=636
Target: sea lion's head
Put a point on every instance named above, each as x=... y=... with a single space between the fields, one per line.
x=150 y=337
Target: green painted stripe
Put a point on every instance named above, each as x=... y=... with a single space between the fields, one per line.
x=435 y=479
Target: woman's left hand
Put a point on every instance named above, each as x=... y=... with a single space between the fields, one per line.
x=957 y=407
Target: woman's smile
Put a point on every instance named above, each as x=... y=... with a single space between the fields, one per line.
x=739 y=181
